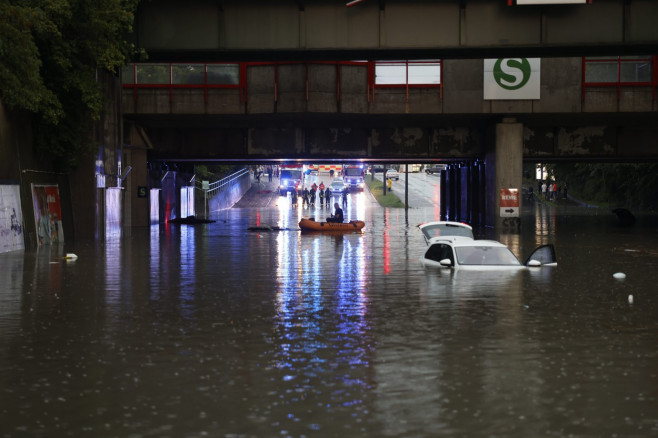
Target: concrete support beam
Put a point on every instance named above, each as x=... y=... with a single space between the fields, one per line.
x=508 y=162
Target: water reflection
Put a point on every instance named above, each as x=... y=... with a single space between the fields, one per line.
x=11 y=285
x=219 y=331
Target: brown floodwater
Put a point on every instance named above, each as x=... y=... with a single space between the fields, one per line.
x=215 y=330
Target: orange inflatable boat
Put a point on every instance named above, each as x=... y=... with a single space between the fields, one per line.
x=312 y=225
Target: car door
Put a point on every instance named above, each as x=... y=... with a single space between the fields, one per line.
x=440 y=251
x=544 y=254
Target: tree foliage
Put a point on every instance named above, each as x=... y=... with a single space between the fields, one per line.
x=630 y=185
x=50 y=52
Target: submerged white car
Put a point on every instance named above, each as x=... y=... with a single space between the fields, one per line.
x=451 y=246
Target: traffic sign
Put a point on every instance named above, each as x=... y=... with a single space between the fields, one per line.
x=509 y=202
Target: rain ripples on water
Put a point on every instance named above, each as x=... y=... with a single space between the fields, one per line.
x=215 y=330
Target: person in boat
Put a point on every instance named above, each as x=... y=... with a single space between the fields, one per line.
x=338 y=214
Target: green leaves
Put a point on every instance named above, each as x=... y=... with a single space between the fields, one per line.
x=50 y=51
x=630 y=185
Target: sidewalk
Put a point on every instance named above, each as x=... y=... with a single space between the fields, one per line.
x=261 y=194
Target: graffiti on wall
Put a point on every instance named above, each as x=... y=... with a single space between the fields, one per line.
x=11 y=219
x=47 y=214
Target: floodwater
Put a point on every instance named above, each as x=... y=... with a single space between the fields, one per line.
x=215 y=330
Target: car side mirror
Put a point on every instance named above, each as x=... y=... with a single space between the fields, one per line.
x=446 y=262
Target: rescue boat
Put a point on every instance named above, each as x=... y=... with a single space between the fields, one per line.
x=311 y=225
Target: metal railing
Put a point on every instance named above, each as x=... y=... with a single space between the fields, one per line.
x=219 y=185
x=211 y=189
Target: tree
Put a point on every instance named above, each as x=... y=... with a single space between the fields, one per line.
x=630 y=185
x=50 y=51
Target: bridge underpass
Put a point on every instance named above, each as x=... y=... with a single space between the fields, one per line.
x=297 y=99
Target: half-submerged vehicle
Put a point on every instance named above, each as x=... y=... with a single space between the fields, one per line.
x=451 y=245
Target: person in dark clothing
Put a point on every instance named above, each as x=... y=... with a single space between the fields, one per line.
x=338 y=214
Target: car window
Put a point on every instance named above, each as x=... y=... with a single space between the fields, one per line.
x=485 y=255
x=438 y=252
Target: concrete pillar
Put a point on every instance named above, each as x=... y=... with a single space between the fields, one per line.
x=137 y=207
x=509 y=162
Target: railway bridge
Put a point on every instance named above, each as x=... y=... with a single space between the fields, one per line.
x=479 y=85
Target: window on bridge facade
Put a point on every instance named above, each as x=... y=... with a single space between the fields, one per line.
x=380 y=74
x=620 y=71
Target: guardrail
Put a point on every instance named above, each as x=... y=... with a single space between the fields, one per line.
x=219 y=185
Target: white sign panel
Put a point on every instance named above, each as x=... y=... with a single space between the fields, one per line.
x=11 y=219
x=509 y=202
x=550 y=2
x=512 y=78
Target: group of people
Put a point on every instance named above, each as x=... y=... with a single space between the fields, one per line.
x=309 y=195
x=324 y=193
x=551 y=191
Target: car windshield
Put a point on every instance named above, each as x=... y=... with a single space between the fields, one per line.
x=352 y=171
x=485 y=255
x=445 y=229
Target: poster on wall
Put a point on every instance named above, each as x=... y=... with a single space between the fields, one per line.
x=47 y=214
x=11 y=219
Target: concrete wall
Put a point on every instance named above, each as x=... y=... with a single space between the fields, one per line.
x=19 y=164
x=283 y=29
x=227 y=197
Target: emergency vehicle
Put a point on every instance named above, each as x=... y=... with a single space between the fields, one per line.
x=290 y=178
x=353 y=176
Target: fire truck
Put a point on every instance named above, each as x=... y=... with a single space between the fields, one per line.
x=353 y=176
x=290 y=178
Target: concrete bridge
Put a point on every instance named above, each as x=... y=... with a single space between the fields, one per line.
x=269 y=81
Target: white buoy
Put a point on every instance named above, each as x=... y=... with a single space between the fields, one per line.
x=630 y=299
x=619 y=275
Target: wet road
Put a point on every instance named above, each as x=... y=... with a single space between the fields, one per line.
x=213 y=330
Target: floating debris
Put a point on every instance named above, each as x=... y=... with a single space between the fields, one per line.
x=190 y=220
x=265 y=228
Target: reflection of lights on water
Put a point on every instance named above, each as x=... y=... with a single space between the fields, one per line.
x=187 y=269
x=320 y=305
x=387 y=242
x=154 y=262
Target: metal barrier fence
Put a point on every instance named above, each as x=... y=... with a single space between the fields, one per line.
x=211 y=189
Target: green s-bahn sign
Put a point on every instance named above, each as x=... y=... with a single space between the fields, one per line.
x=512 y=78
